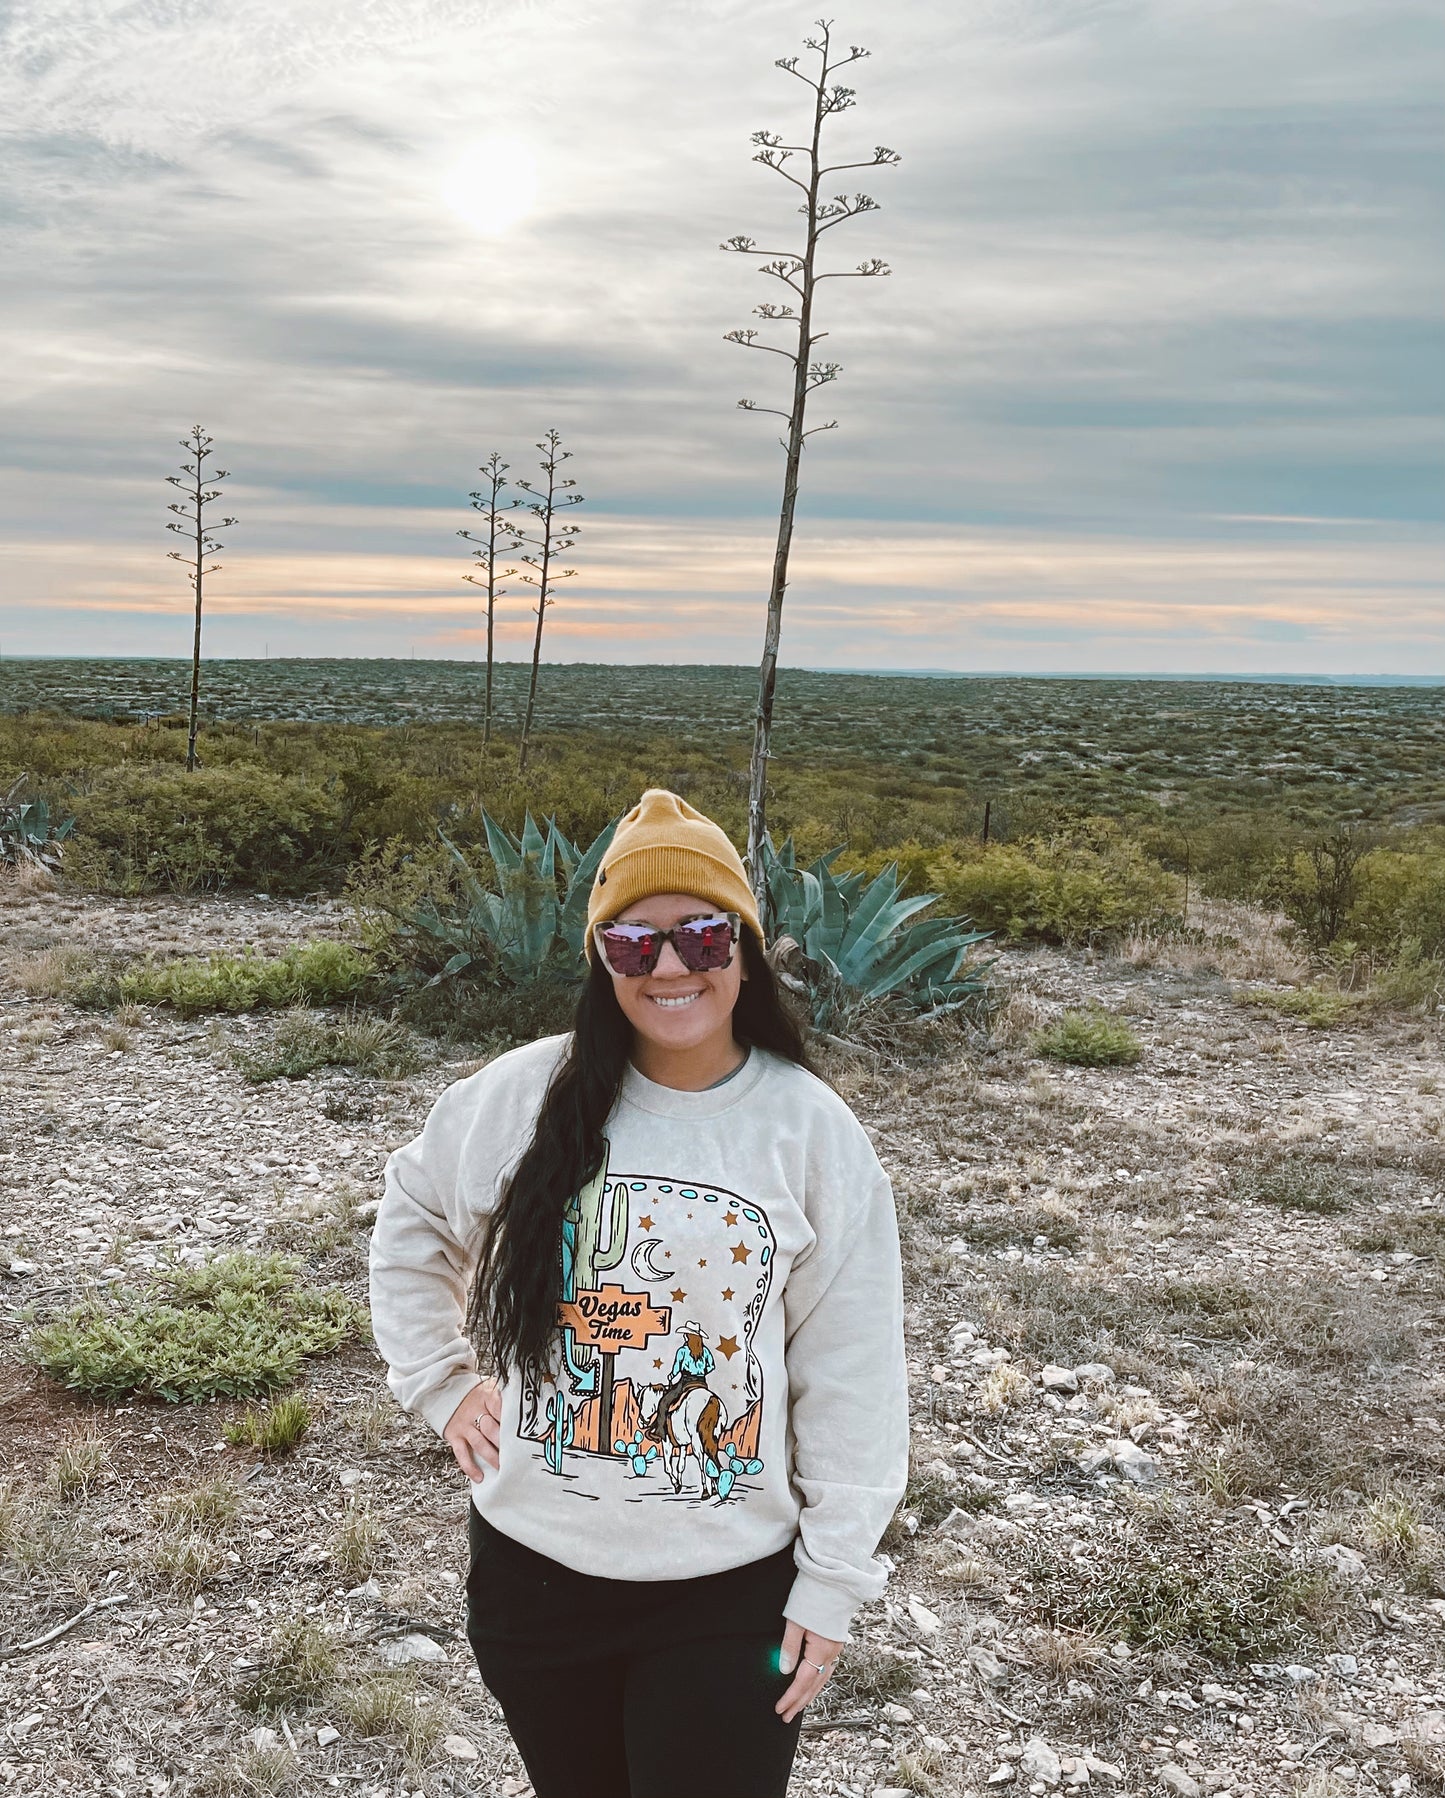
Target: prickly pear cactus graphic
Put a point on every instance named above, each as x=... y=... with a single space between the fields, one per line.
x=559 y=1415
x=590 y=1246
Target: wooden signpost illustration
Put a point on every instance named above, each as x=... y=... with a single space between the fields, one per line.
x=607 y=1319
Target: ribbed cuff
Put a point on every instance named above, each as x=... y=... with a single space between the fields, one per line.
x=825 y=1609
x=437 y=1407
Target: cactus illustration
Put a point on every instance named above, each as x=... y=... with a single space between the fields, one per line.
x=559 y=1416
x=584 y=1257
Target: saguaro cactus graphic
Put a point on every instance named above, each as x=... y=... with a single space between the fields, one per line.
x=559 y=1416
x=589 y=1249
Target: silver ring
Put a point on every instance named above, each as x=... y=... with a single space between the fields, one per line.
x=822 y=1666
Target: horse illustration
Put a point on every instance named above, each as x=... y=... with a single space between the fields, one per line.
x=692 y=1427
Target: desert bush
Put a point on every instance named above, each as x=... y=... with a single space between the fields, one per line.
x=147 y=827
x=1398 y=895
x=239 y=1326
x=1317 y=886
x=1090 y=1039
x=1075 y=886
x=317 y=973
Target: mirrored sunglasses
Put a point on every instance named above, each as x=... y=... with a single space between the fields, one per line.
x=703 y=945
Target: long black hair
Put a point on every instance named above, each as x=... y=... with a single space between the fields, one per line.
x=512 y=1308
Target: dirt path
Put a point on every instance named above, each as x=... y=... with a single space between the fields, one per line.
x=1244 y=1232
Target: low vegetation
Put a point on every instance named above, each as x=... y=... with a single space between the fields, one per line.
x=300 y=1043
x=1164 y=1583
x=1091 y=1039
x=239 y=1326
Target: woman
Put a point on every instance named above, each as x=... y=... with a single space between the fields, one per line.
x=675 y=1247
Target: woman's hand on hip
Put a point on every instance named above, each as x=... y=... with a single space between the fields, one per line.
x=474 y=1427
x=814 y=1656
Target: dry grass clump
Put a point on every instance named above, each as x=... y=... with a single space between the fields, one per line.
x=359 y=1544
x=390 y=1705
x=1061 y=1315
x=1295 y=1182
x=1004 y=1388
x=189 y=1559
x=255 y=1772
x=1065 y=1654
x=80 y=1461
x=1233 y=941
x=1051 y=1224
x=33 y=1537
x=299 y=1666
x=276 y=1429
x=917 y=1770
x=1415 y=1232
x=865 y=1678
x=211 y=1505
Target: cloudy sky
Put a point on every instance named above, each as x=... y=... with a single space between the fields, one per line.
x=1155 y=383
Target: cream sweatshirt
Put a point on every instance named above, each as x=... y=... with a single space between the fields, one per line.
x=739 y=1250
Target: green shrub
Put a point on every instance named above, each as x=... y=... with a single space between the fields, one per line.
x=239 y=1326
x=1087 y=883
x=317 y=973
x=1398 y=896
x=151 y=827
x=1408 y=980
x=1090 y=1039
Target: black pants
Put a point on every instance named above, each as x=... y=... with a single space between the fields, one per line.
x=634 y=1688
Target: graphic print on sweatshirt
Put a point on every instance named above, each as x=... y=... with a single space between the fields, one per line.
x=659 y=1393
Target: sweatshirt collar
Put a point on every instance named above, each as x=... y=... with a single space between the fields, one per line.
x=711 y=1101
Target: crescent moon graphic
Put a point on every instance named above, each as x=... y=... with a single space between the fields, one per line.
x=642 y=1261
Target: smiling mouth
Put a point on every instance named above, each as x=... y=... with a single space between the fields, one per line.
x=673 y=1002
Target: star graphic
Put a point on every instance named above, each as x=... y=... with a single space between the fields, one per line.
x=679 y=1295
x=727 y=1292
x=657 y=1360
x=727 y=1346
x=703 y=1262
x=741 y=1251
x=730 y=1221
x=644 y=1223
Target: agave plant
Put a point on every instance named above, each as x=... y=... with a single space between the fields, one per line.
x=855 y=944
x=27 y=831
x=531 y=925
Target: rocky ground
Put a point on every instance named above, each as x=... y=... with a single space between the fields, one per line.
x=1175 y=1335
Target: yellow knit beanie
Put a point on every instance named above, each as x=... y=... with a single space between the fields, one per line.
x=664 y=845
